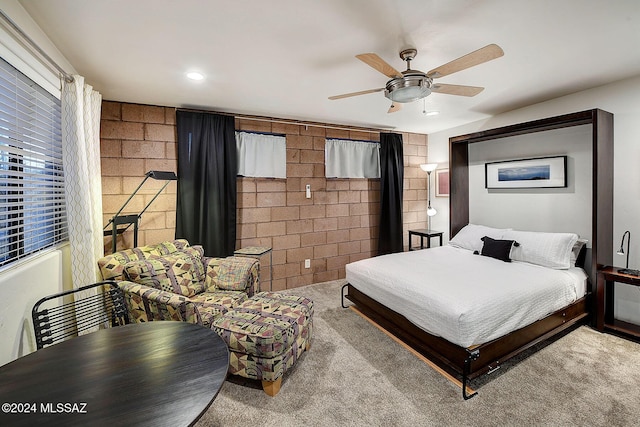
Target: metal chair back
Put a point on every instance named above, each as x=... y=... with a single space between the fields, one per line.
x=67 y=314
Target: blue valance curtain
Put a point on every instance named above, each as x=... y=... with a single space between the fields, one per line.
x=207 y=169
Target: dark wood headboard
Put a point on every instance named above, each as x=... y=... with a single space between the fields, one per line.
x=602 y=186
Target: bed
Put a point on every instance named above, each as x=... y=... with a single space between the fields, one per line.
x=472 y=361
x=486 y=296
x=466 y=299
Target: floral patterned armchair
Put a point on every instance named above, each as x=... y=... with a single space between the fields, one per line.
x=175 y=281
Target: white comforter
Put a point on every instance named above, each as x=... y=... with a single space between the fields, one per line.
x=466 y=299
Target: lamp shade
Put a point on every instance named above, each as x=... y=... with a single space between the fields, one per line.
x=162 y=175
x=431 y=211
x=428 y=167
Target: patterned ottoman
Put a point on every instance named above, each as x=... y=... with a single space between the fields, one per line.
x=266 y=335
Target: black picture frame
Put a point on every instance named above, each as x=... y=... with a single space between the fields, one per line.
x=538 y=172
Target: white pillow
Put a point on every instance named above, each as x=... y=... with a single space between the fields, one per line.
x=470 y=237
x=551 y=250
x=575 y=251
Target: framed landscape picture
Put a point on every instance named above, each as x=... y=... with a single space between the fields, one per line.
x=442 y=182
x=543 y=172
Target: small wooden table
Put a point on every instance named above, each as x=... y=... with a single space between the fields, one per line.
x=424 y=232
x=143 y=374
x=257 y=252
x=605 y=321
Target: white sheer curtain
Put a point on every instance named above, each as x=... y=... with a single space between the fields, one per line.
x=261 y=155
x=81 y=160
x=351 y=159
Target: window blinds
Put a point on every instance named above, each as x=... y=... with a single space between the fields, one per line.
x=351 y=159
x=32 y=201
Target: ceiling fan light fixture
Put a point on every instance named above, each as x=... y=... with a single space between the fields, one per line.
x=408 y=88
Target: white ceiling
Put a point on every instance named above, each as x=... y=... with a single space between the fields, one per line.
x=284 y=58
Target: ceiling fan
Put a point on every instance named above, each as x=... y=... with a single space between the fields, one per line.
x=411 y=85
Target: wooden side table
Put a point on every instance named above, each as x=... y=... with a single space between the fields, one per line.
x=424 y=233
x=605 y=321
x=257 y=252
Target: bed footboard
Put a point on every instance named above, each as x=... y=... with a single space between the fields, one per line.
x=472 y=362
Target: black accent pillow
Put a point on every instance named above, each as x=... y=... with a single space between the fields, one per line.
x=498 y=249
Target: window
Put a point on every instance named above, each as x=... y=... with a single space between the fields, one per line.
x=351 y=159
x=32 y=202
x=261 y=155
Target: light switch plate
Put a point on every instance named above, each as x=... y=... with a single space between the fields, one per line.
x=307 y=263
x=308 y=191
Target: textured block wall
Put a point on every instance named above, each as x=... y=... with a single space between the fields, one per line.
x=337 y=225
x=135 y=139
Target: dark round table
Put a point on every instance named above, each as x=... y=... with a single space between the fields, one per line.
x=156 y=373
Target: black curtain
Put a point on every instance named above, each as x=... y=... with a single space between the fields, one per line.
x=207 y=170
x=391 y=186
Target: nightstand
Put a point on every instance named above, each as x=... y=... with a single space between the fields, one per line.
x=424 y=233
x=257 y=252
x=605 y=321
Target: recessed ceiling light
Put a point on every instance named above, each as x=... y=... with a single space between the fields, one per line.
x=194 y=75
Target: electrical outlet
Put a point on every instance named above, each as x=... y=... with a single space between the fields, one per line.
x=307 y=263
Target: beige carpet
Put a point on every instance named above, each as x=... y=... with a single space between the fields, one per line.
x=355 y=375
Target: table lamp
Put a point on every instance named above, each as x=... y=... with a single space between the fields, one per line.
x=626 y=269
x=128 y=220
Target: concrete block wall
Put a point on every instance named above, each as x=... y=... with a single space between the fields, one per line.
x=337 y=225
x=135 y=139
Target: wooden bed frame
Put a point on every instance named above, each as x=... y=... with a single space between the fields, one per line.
x=471 y=362
x=475 y=361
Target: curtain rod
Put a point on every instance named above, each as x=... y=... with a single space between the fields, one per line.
x=307 y=124
x=68 y=77
x=255 y=132
x=293 y=122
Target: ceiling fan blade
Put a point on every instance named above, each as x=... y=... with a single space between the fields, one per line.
x=395 y=106
x=469 y=60
x=362 y=92
x=456 y=89
x=374 y=61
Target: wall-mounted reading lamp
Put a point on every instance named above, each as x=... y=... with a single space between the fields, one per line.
x=127 y=220
x=626 y=270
